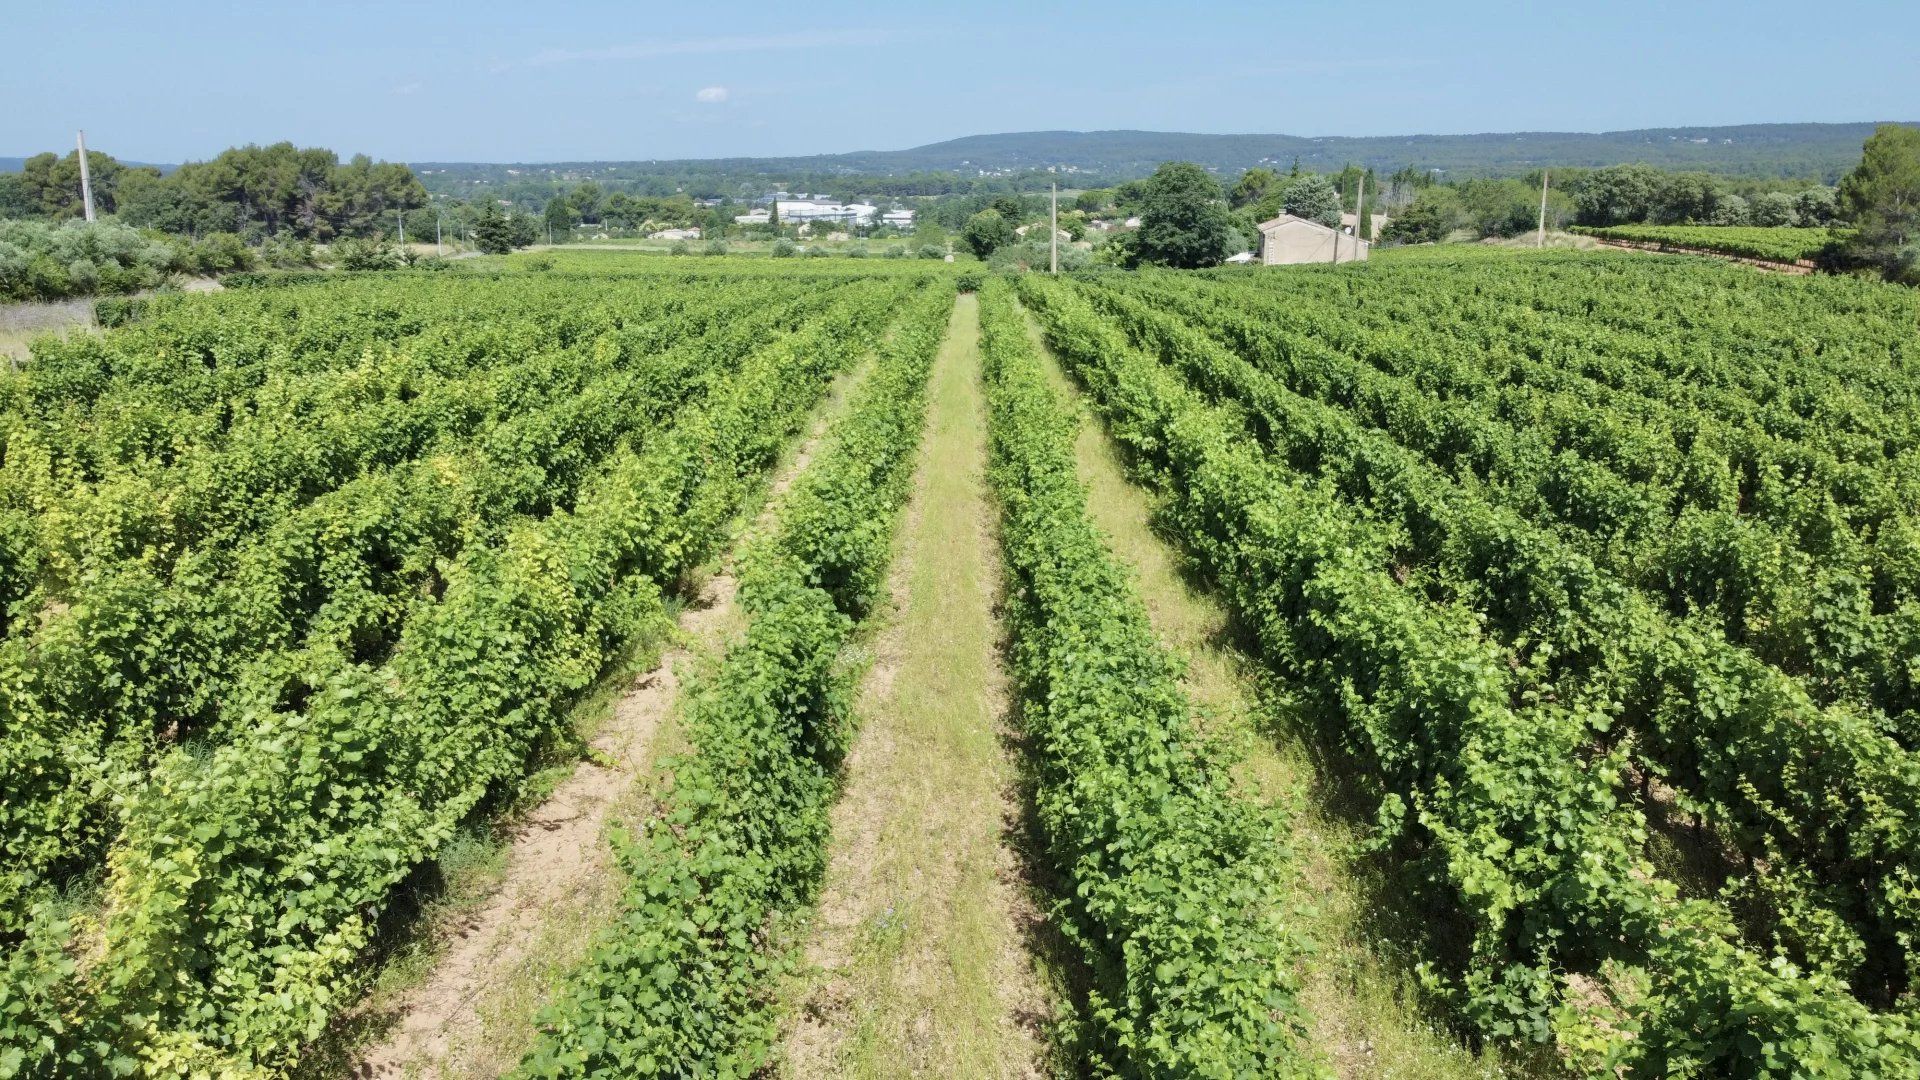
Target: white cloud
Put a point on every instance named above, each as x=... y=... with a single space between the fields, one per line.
x=645 y=50
x=711 y=95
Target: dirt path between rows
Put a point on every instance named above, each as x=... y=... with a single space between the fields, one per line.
x=560 y=881
x=918 y=956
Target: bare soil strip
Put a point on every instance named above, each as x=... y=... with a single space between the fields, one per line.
x=918 y=956
x=1364 y=1017
x=472 y=1015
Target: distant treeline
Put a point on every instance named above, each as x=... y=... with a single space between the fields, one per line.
x=253 y=192
x=532 y=186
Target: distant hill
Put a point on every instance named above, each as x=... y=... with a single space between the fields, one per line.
x=16 y=164
x=1825 y=151
x=1748 y=149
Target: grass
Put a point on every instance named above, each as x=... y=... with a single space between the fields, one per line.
x=1367 y=1014
x=919 y=938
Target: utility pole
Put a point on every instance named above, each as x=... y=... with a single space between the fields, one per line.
x=1053 y=227
x=1359 y=214
x=1541 y=238
x=437 y=249
x=86 y=181
x=401 y=217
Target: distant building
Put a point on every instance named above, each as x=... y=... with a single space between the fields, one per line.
x=1351 y=223
x=899 y=219
x=1287 y=240
x=802 y=211
x=675 y=234
x=753 y=217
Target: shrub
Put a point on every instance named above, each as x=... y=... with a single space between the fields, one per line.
x=784 y=248
x=932 y=251
x=356 y=254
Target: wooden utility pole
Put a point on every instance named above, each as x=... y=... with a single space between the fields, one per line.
x=1541 y=238
x=86 y=181
x=1053 y=227
x=400 y=216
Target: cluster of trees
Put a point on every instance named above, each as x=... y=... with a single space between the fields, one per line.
x=253 y=192
x=1642 y=194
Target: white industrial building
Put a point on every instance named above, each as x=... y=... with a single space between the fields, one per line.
x=802 y=211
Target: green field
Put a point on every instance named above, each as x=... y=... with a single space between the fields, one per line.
x=1471 y=662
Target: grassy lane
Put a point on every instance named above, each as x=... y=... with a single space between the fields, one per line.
x=460 y=999
x=918 y=958
x=1361 y=997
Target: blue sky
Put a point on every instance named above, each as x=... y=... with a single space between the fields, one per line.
x=477 y=81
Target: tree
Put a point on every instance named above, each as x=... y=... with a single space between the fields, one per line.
x=495 y=233
x=586 y=201
x=1730 y=209
x=1880 y=198
x=1618 y=195
x=1434 y=213
x=15 y=202
x=1092 y=201
x=1252 y=186
x=986 y=232
x=1183 y=222
x=1313 y=197
x=53 y=183
x=1816 y=206
x=1773 y=209
x=560 y=218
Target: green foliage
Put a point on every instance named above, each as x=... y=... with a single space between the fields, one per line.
x=1313 y=197
x=678 y=986
x=1252 y=187
x=1776 y=244
x=1880 y=199
x=1171 y=880
x=1458 y=564
x=42 y=261
x=354 y=254
x=784 y=248
x=1182 y=221
x=396 y=552
x=495 y=233
x=986 y=232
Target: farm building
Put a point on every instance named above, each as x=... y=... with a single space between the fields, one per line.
x=675 y=234
x=1287 y=239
